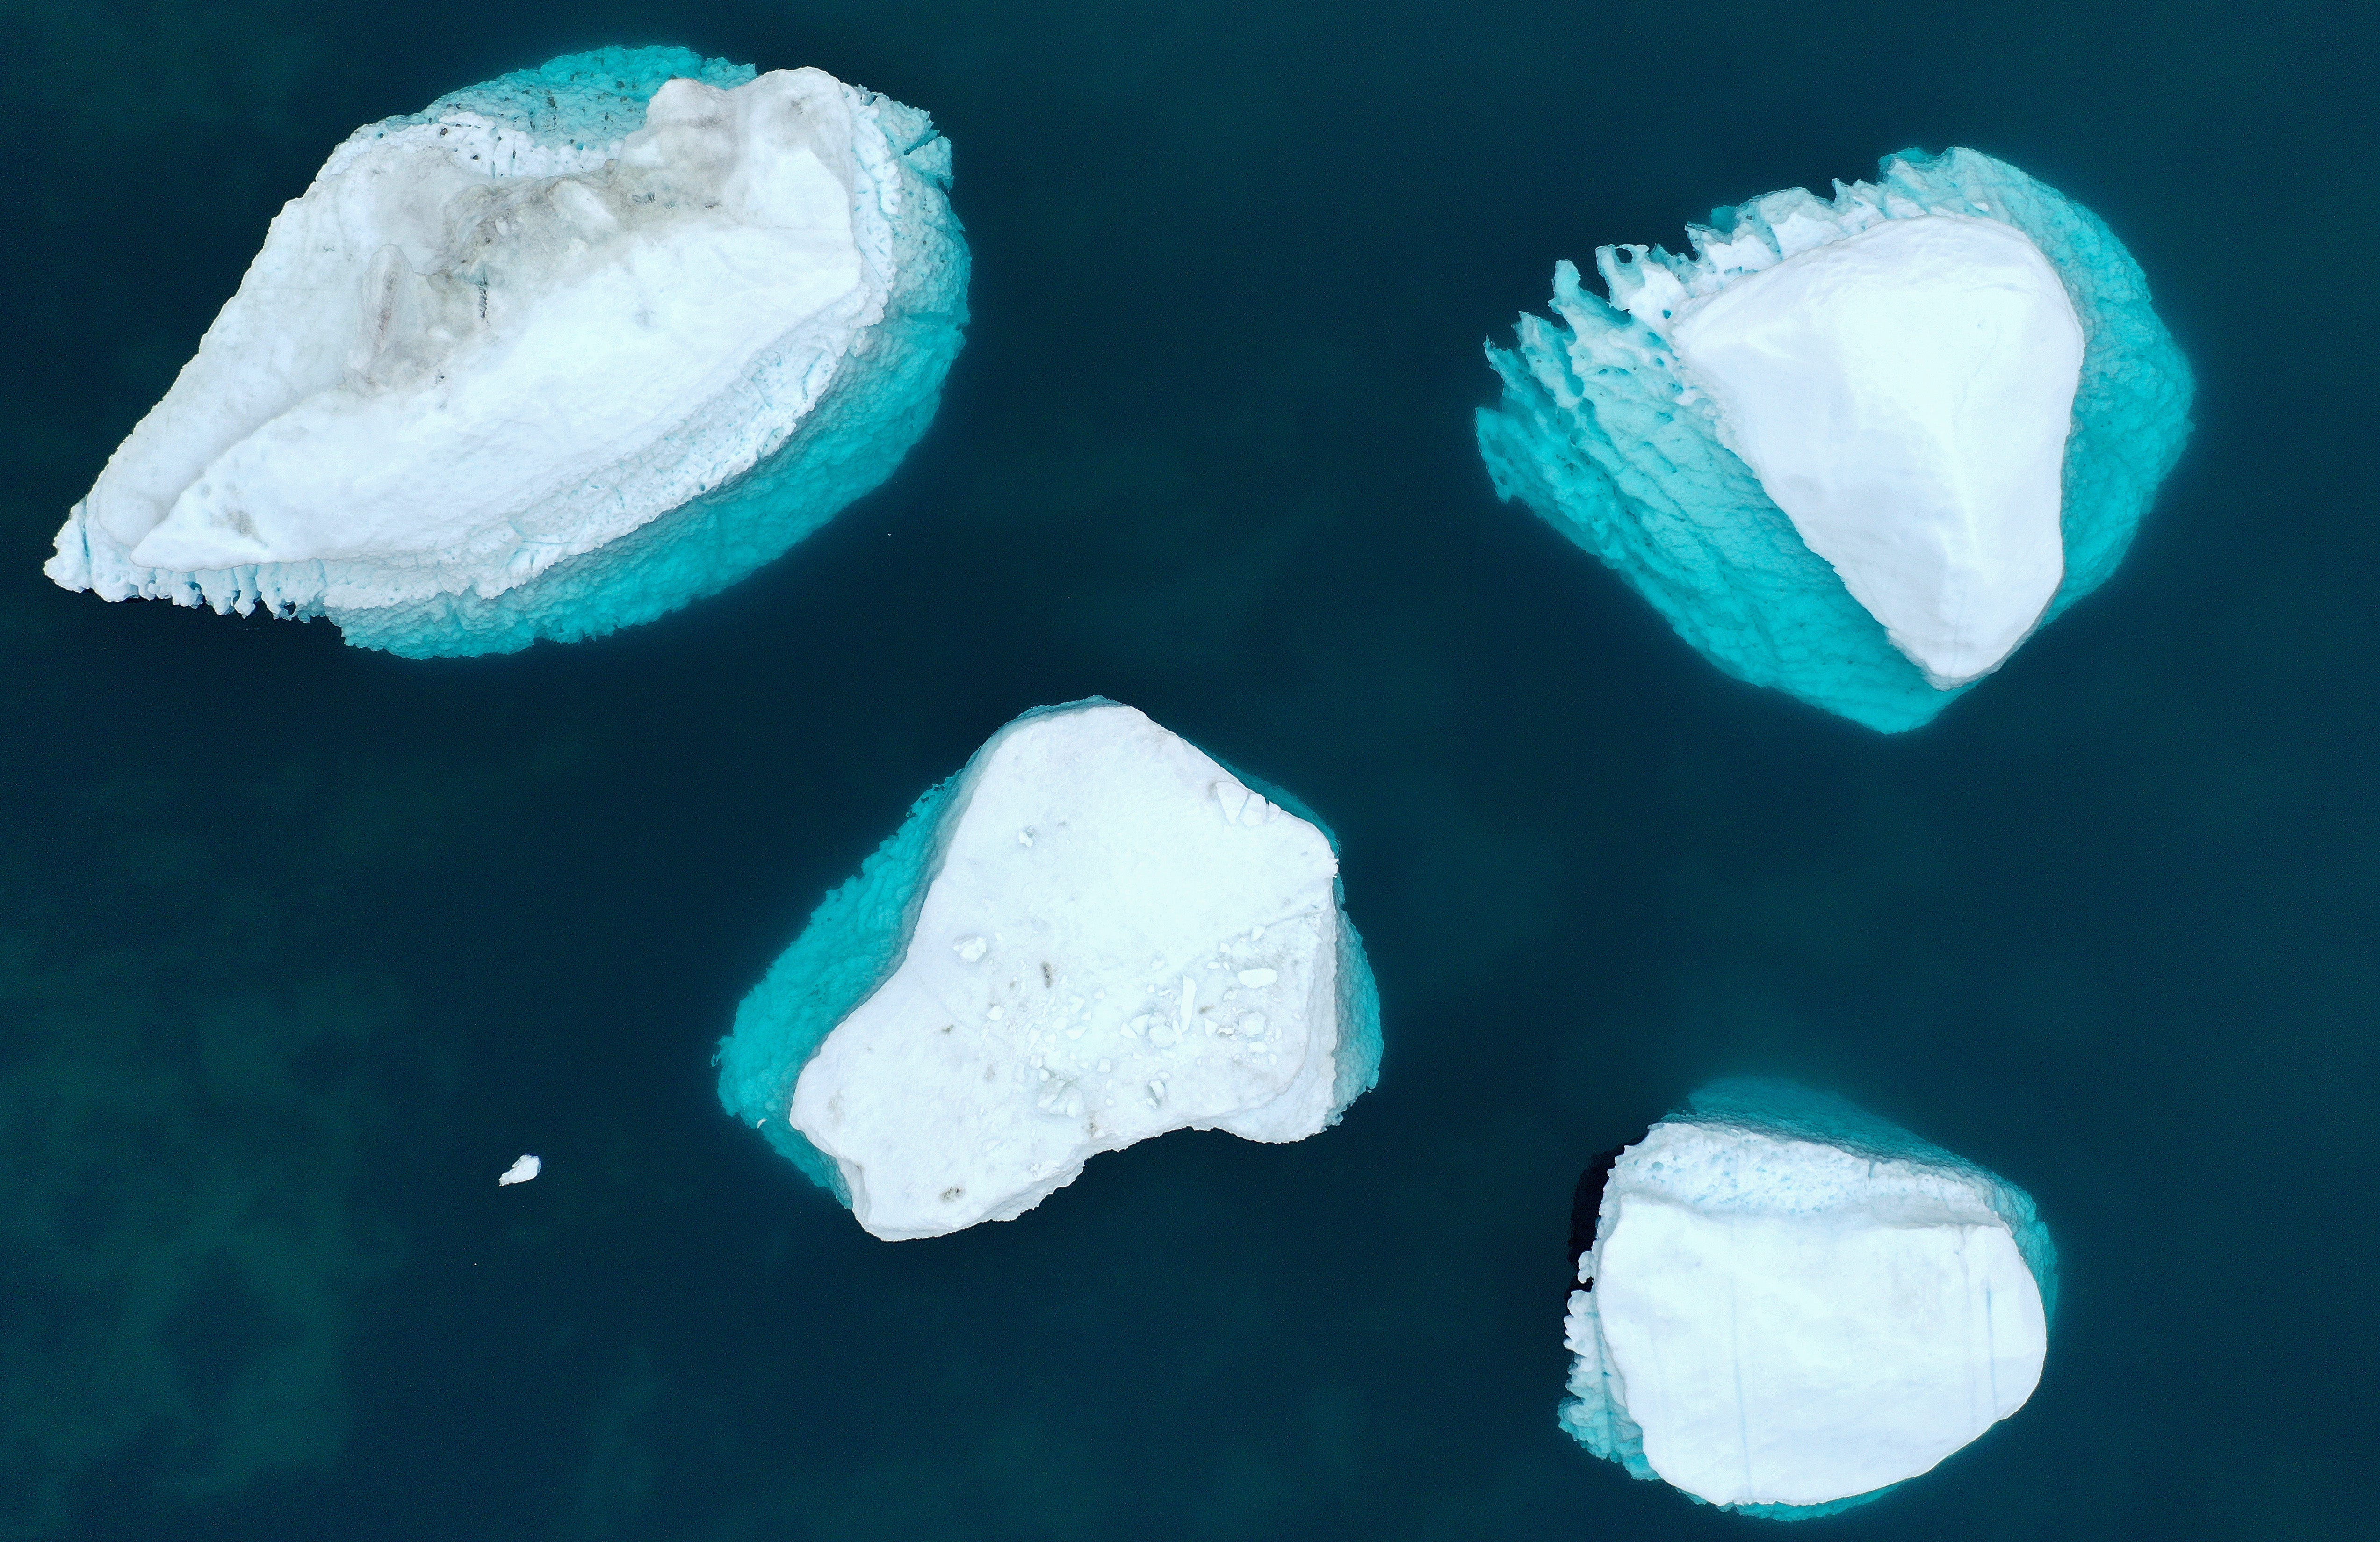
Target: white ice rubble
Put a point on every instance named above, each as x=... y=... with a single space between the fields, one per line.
x=1904 y=395
x=1790 y=1323
x=1121 y=938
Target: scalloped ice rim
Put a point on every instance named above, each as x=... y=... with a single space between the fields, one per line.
x=1601 y=438
x=877 y=399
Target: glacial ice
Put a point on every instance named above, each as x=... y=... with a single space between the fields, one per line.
x=1790 y=1305
x=1856 y=450
x=1092 y=935
x=524 y=1167
x=558 y=355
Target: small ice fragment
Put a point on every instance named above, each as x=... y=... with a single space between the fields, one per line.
x=1252 y=1024
x=1256 y=979
x=521 y=1171
x=995 y=1014
x=971 y=949
x=1024 y=836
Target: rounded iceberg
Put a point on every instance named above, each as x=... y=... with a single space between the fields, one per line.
x=1092 y=934
x=1789 y=1306
x=1857 y=450
x=558 y=355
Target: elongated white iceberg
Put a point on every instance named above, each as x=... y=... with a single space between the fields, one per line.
x=1092 y=934
x=1858 y=450
x=558 y=355
x=1790 y=1304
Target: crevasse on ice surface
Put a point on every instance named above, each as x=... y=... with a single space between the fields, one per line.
x=1092 y=934
x=1612 y=436
x=561 y=354
x=1791 y=1305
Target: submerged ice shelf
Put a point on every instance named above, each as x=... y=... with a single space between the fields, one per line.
x=1858 y=449
x=1790 y=1304
x=558 y=355
x=1092 y=935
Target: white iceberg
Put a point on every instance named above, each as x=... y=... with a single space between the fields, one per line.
x=1903 y=394
x=1790 y=1304
x=1092 y=935
x=1858 y=449
x=558 y=355
x=524 y=1167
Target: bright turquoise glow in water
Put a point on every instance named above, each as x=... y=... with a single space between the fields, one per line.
x=301 y=945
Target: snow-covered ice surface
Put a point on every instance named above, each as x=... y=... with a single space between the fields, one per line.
x=1855 y=449
x=524 y=1167
x=1903 y=394
x=558 y=355
x=1791 y=1305
x=1091 y=935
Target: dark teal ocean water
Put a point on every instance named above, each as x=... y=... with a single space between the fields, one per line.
x=301 y=945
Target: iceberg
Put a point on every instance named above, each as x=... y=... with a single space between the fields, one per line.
x=1857 y=450
x=1790 y=1305
x=558 y=355
x=1092 y=934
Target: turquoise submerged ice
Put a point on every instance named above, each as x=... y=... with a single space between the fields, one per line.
x=558 y=355
x=1791 y=1304
x=1090 y=936
x=1657 y=463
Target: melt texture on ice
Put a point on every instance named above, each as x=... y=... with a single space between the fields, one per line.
x=560 y=353
x=1856 y=450
x=1092 y=934
x=1791 y=1305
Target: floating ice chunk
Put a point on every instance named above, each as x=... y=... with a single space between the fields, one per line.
x=1860 y=449
x=932 y=1093
x=1790 y=1304
x=558 y=355
x=524 y=1168
x=1904 y=395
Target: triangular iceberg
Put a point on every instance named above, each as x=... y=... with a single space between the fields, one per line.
x=1856 y=450
x=558 y=355
x=1092 y=935
x=1789 y=1306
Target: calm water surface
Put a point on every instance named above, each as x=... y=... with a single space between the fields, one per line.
x=299 y=945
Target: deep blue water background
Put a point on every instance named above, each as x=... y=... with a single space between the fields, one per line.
x=299 y=945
